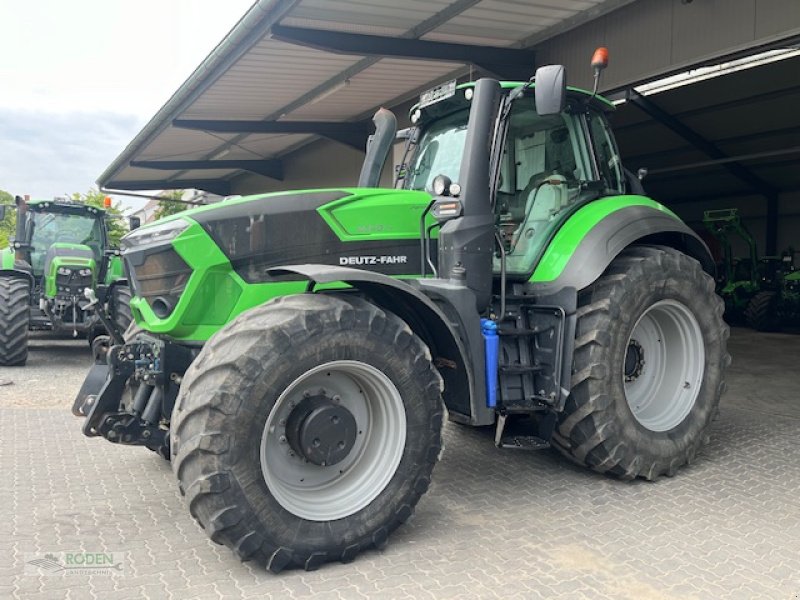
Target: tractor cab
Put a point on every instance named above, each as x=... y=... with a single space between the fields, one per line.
x=544 y=167
x=61 y=231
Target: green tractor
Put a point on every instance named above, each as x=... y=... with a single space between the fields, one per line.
x=738 y=280
x=758 y=292
x=777 y=305
x=296 y=354
x=60 y=249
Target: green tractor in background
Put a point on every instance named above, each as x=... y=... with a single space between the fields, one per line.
x=738 y=280
x=777 y=305
x=759 y=292
x=296 y=353
x=60 y=249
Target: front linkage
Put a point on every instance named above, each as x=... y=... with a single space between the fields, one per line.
x=129 y=393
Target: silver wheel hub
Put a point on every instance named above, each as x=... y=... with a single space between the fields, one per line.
x=664 y=365
x=333 y=440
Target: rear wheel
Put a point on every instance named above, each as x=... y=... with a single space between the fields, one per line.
x=14 y=320
x=648 y=369
x=761 y=313
x=307 y=430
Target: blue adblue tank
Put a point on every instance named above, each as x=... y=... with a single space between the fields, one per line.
x=492 y=343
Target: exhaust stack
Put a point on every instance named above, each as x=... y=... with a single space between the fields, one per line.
x=378 y=146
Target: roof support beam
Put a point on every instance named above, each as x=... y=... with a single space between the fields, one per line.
x=220 y=187
x=452 y=10
x=723 y=161
x=351 y=134
x=507 y=62
x=705 y=146
x=267 y=168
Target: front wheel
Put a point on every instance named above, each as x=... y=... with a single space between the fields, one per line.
x=307 y=430
x=14 y=320
x=120 y=307
x=648 y=370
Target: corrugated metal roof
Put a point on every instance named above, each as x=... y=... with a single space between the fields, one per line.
x=255 y=77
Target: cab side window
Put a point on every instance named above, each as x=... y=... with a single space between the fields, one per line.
x=608 y=160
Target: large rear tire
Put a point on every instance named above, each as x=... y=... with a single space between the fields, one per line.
x=261 y=473
x=761 y=312
x=648 y=369
x=15 y=317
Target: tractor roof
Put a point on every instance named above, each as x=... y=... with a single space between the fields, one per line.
x=64 y=205
x=572 y=92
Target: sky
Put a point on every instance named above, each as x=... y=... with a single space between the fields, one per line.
x=80 y=78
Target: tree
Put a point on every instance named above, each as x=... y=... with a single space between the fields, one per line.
x=7 y=225
x=115 y=224
x=171 y=204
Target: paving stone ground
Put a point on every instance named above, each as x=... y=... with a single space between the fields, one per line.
x=503 y=524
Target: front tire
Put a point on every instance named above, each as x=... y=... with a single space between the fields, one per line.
x=648 y=369
x=761 y=313
x=14 y=321
x=120 y=307
x=261 y=471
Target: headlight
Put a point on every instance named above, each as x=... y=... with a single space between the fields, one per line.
x=85 y=272
x=155 y=234
x=64 y=271
x=441 y=185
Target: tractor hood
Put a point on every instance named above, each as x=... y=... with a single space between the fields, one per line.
x=220 y=255
x=68 y=269
x=338 y=226
x=399 y=203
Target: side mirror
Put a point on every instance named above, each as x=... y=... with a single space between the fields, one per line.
x=2 y=211
x=134 y=223
x=551 y=89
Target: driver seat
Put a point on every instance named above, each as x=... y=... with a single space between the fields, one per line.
x=543 y=203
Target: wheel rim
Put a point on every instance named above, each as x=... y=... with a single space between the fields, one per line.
x=664 y=365
x=324 y=492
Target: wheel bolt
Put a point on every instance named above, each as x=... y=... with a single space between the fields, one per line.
x=306 y=394
x=337 y=398
x=335 y=419
x=341 y=445
x=282 y=439
x=316 y=442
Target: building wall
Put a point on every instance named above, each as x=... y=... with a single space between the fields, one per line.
x=753 y=210
x=650 y=38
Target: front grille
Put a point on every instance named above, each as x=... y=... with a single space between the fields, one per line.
x=72 y=283
x=159 y=277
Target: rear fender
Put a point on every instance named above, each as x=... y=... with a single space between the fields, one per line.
x=458 y=359
x=578 y=265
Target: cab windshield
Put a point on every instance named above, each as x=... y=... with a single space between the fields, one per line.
x=47 y=229
x=439 y=151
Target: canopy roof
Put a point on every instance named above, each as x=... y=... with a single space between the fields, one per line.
x=293 y=70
